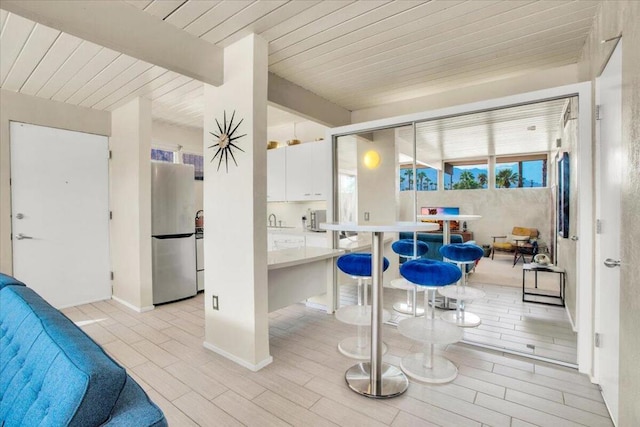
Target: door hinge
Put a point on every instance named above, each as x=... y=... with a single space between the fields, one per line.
x=110 y=154
x=598 y=112
x=110 y=214
x=598 y=226
x=597 y=340
x=111 y=275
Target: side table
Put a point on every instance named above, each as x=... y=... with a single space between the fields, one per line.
x=539 y=296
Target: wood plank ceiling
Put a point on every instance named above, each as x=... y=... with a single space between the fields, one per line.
x=357 y=54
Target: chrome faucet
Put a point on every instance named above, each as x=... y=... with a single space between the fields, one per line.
x=274 y=220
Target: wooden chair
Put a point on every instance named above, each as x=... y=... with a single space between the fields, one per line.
x=518 y=244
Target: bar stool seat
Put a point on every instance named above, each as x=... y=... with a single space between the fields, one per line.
x=426 y=366
x=409 y=249
x=358 y=266
x=461 y=254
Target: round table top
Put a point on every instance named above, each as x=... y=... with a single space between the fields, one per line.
x=379 y=226
x=450 y=217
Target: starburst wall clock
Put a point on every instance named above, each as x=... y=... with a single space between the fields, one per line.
x=225 y=141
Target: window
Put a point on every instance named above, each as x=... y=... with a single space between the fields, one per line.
x=469 y=175
x=521 y=172
x=426 y=179
x=162 y=155
x=198 y=164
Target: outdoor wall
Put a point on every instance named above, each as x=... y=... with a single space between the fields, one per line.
x=43 y=112
x=501 y=209
x=615 y=18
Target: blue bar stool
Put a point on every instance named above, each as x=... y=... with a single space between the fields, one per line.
x=426 y=366
x=463 y=255
x=358 y=266
x=409 y=249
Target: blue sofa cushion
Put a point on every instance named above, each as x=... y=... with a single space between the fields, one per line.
x=6 y=280
x=426 y=272
x=405 y=247
x=51 y=372
x=358 y=264
x=461 y=252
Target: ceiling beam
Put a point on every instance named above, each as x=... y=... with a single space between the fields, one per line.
x=303 y=102
x=129 y=30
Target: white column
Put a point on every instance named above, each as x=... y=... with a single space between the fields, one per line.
x=130 y=201
x=235 y=239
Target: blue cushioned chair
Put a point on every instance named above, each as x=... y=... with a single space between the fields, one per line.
x=358 y=266
x=426 y=366
x=463 y=255
x=408 y=249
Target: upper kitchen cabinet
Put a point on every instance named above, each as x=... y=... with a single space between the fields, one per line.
x=308 y=169
x=276 y=175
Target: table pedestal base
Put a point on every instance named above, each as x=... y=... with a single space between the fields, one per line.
x=441 y=370
x=394 y=382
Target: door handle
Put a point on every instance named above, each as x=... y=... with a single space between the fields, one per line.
x=21 y=236
x=574 y=238
x=611 y=263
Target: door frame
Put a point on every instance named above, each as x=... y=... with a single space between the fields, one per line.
x=585 y=229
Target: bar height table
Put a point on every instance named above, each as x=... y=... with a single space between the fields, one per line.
x=374 y=378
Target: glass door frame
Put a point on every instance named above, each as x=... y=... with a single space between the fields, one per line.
x=584 y=245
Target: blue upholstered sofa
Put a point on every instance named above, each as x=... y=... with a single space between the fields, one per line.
x=53 y=374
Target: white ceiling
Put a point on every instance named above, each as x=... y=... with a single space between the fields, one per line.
x=356 y=54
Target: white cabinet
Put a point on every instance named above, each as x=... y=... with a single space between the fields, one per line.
x=276 y=175
x=308 y=171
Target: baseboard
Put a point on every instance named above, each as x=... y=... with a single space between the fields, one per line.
x=236 y=359
x=315 y=305
x=573 y=324
x=131 y=306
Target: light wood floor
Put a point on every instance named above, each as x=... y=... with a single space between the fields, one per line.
x=304 y=386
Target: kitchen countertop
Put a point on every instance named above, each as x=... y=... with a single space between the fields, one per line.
x=294 y=230
x=359 y=242
x=283 y=258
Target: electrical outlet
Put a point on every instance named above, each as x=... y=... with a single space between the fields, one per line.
x=366 y=216
x=214 y=302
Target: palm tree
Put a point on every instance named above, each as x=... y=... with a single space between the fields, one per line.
x=467 y=181
x=482 y=179
x=506 y=177
x=409 y=174
x=401 y=181
x=428 y=183
x=421 y=176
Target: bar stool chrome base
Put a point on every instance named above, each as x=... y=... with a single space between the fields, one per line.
x=351 y=347
x=441 y=370
x=394 y=382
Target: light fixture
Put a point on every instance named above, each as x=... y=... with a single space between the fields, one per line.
x=371 y=159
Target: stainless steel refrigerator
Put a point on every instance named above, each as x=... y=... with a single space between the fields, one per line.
x=173 y=232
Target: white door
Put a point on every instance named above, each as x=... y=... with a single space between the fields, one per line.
x=607 y=301
x=60 y=213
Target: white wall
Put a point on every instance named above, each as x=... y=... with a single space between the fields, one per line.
x=377 y=187
x=612 y=19
x=29 y=109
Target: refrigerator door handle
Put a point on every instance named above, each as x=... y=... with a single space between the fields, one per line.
x=174 y=236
